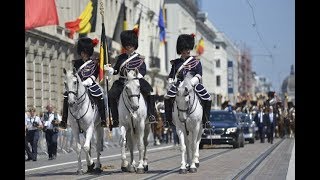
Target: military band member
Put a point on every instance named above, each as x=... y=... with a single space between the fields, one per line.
x=88 y=71
x=129 y=60
x=33 y=125
x=185 y=43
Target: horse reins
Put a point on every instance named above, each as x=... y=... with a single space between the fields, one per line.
x=76 y=94
x=129 y=99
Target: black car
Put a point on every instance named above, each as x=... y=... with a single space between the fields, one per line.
x=226 y=129
x=249 y=127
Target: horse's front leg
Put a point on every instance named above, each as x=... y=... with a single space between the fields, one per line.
x=75 y=133
x=196 y=153
x=140 y=146
x=194 y=146
x=99 y=135
x=183 y=169
x=86 y=148
x=146 y=143
x=123 y=141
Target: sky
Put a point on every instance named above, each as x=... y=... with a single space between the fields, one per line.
x=273 y=32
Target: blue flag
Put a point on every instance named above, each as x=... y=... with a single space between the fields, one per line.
x=161 y=25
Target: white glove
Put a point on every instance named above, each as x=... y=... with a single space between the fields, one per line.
x=194 y=81
x=140 y=76
x=170 y=81
x=109 y=69
x=87 y=82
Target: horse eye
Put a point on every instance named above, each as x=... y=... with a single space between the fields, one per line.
x=75 y=82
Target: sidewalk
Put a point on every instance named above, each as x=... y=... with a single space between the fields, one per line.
x=291 y=168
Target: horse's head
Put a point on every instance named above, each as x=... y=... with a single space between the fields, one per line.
x=183 y=97
x=132 y=88
x=72 y=85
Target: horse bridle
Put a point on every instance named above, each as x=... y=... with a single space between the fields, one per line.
x=130 y=96
x=78 y=98
x=187 y=110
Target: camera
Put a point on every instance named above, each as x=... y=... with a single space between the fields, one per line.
x=54 y=123
x=35 y=124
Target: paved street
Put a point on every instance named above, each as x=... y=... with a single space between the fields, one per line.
x=263 y=160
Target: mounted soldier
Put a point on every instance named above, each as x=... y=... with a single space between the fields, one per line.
x=128 y=61
x=88 y=69
x=180 y=67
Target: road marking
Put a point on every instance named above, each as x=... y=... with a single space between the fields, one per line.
x=101 y=157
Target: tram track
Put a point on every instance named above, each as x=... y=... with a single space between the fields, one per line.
x=244 y=173
x=162 y=173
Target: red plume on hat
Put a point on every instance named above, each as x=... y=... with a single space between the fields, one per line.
x=136 y=31
x=95 y=41
x=193 y=35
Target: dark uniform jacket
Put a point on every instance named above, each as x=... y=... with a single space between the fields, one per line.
x=136 y=62
x=90 y=70
x=194 y=68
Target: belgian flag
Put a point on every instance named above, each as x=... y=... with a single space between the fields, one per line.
x=200 y=46
x=86 y=22
x=103 y=53
x=121 y=24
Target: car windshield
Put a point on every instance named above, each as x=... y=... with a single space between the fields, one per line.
x=243 y=117
x=222 y=116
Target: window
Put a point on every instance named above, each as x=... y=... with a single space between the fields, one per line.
x=218 y=63
x=218 y=80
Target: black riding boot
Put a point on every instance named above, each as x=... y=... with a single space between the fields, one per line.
x=102 y=111
x=113 y=105
x=206 y=114
x=63 y=123
x=151 y=108
x=168 y=103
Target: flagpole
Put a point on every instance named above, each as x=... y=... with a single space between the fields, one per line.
x=106 y=54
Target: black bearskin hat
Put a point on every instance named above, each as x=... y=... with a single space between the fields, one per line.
x=185 y=42
x=129 y=37
x=271 y=94
x=86 y=45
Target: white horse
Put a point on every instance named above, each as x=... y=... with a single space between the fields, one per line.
x=83 y=115
x=134 y=130
x=187 y=116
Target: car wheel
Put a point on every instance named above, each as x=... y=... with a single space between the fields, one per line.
x=251 y=141
x=237 y=143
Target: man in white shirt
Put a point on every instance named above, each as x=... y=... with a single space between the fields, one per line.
x=51 y=121
x=33 y=126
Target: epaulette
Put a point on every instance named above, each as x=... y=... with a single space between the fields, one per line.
x=141 y=57
x=197 y=58
x=171 y=61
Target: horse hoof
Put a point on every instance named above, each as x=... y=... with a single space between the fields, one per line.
x=140 y=170
x=183 y=171
x=193 y=170
x=80 y=172
x=131 y=169
x=145 y=167
x=197 y=165
x=91 y=168
x=124 y=169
